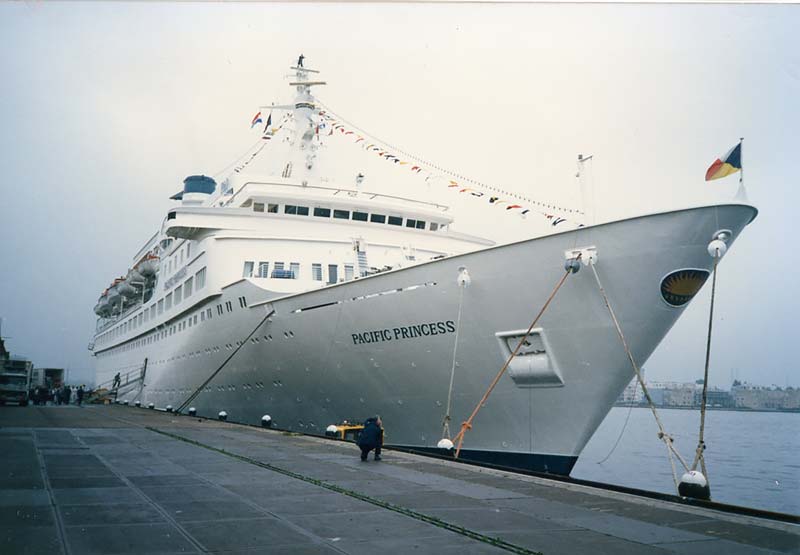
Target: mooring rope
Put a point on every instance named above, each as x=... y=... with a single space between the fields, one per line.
x=662 y=435
x=701 y=445
x=467 y=425
x=221 y=366
x=446 y=422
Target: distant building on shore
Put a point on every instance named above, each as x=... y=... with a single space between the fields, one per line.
x=689 y=395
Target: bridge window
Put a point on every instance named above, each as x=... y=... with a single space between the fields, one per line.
x=161 y=306
x=434 y=226
x=263 y=269
x=299 y=210
x=258 y=207
x=294 y=267
x=341 y=214
x=360 y=216
x=168 y=301
x=272 y=208
x=248 y=269
x=322 y=212
x=377 y=218
x=187 y=287
x=395 y=220
x=200 y=279
x=316 y=272
x=178 y=294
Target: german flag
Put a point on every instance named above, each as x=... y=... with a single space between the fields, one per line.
x=728 y=164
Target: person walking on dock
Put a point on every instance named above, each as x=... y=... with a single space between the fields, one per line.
x=80 y=395
x=66 y=394
x=371 y=437
x=117 y=381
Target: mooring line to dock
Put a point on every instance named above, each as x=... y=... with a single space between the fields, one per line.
x=472 y=534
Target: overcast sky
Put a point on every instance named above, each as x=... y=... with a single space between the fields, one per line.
x=105 y=108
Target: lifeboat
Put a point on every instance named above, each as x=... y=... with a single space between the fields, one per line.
x=113 y=294
x=102 y=308
x=135 y=278
x=148 y=266
x=126 y=289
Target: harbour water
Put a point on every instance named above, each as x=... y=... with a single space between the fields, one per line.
x=752 y=457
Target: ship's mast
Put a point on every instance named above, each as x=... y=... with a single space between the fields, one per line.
x=306 y=114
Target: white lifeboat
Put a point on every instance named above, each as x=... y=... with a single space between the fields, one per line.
x=126 y=289
x=148 y=266
x=102 y=308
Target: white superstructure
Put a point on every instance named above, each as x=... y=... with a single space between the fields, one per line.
x=314 y=300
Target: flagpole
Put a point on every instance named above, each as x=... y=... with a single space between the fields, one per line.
x=741 y=194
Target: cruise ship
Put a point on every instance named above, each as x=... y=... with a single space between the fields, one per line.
x=277 y=289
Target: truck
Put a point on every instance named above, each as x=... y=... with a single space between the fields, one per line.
x=15 y=381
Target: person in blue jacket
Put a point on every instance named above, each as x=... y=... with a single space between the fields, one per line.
x=371 y=437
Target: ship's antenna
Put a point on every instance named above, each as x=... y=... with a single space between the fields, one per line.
x=586 y=190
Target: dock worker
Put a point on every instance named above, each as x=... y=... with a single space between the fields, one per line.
x=371 y=437
x=117 y=381
x=80 y=395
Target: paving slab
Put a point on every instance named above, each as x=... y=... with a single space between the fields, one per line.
x=124 y=480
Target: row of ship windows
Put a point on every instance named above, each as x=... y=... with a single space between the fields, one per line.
x=174 y=261
x=280 y=271
x=182 y=291
x=194 y=319
x=346 y=215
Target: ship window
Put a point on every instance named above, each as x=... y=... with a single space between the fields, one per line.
x=153 y=311
x=146 y=314
x=170 y=215
x=294 y=267
x=411 y=223
x=168 y=301
x=377 y=218
x=195 y=318
x=333 y=273
x=248 y=268
x=200 y=279
x=341 y=214
x=316 y=272
x=279 y=266
x=299 y=210
x=263 y=269
x=141 y=319
x=395 y=220
x=434 y=226
x=348 y=272
x=187 y=287
x=229 y=306
x=258 y=207
x=272 y=208
x=161 y=306
x=420 y=224
x=188 y=250
x=181 y=256
x=178 y=294
x=360 y=216
x=203 y=316
x=209 y=313
x=322 y=212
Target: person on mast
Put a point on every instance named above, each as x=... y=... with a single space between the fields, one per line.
x=300 y=60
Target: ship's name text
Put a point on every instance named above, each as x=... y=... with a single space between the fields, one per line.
x=404 y=332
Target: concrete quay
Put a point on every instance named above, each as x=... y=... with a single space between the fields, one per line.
x=113 y=479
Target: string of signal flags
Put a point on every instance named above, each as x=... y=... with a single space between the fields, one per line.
x=495 y=196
